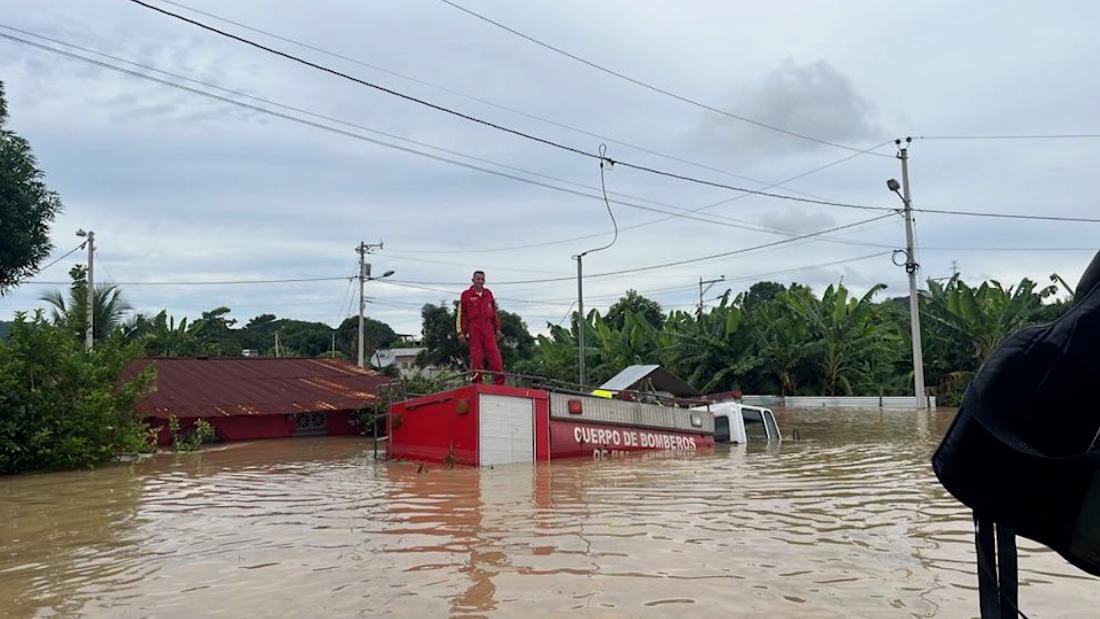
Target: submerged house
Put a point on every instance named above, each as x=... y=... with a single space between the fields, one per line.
x=254 y=398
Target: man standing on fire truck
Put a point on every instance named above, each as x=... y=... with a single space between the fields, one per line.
x=477 y=322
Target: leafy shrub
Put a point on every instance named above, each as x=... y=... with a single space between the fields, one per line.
x=62 y=407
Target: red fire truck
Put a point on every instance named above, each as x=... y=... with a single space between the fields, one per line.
x=482 y=425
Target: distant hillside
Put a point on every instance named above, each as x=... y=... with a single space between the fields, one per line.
x=4 y=330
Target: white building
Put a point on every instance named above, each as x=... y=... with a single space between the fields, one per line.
x=404 y=359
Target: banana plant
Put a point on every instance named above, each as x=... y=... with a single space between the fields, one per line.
x=845 y=334
x=984 y=316
x=711 y=350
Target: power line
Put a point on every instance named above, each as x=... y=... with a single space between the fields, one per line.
x=357 y=136
x=674 y=263
x=470 y=97
x=302 y=121
x=371 y=130
x=599 y=157
x=965 y=249
x=234 y=282
x=429 y=288
x=651 y=87
x=661 y=219
x=67 y=254
x=743 y=278
x=1008 y=215
x=497 y=126
x=1036 y=136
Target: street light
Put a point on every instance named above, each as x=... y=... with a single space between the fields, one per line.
x=365 y=276
x=911 y=267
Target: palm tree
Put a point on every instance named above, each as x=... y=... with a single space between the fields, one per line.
x=109 y=309
x=162 y=336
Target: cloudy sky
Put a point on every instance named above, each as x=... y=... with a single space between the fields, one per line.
x=182 y=187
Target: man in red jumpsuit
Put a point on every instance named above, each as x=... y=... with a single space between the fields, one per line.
x=477 y=322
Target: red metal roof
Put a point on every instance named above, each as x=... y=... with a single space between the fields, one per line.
x=255 y=386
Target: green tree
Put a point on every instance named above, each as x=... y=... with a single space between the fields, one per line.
x=642 y=307
x=61 y=407
x=215 y=334
x=443 y=350
x=440 y=338
x=760 y=295
x=376 y=334
x=516 y=342
x=27 y=207
x=109 y=309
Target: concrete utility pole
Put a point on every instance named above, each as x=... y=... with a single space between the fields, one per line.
x=582 y=323
x=709 y=283
x=364 y=275
x=911 y=268
x=89 y=311
x=580 y=317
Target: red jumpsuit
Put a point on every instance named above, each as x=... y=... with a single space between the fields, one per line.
x=477 y=320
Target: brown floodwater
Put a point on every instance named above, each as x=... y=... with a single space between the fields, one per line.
x=849 y=521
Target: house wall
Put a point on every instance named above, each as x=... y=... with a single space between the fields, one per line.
x=253 y=427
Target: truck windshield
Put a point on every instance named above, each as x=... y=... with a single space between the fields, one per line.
x=754 y=425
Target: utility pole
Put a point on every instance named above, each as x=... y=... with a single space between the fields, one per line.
x=580 y=317
x=709 y=283
x=911 y=268
x=89 y=311
x=582 y=323
x=276 y=344
x=332 y=355
x=364 y=275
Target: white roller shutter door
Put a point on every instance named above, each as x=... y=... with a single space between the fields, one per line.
x=507 y=429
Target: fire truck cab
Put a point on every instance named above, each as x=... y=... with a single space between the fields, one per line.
x=741 y=423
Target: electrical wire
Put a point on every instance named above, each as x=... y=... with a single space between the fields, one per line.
x=353 y=135
x=511 y=176
x=1090 y=220
x=234 y=282
x=1037 y=136
x=744 y=278
x=347 y=295
x=658 y=220
x=59 y=259
x=429 y=288
x=674 y=263
x=476 y=99
x=492 y=125
x=651 y=87
x=965 y=249
x=603 y=188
